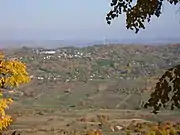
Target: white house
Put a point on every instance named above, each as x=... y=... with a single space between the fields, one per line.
x=49 y=52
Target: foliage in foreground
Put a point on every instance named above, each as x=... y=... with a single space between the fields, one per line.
x=165 y=128
x=137 y=12
x=145 y=128
x=12 y=74
x=167 y=90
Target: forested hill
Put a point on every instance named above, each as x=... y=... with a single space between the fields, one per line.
x=98 y=62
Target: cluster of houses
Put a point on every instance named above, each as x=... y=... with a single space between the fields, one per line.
x=60 y=53
x=140 y=67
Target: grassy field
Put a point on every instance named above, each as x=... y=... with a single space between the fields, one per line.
x=55 y=120
x=110 y=81
x=77 y=105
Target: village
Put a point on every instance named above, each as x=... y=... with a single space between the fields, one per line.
x=96 y=62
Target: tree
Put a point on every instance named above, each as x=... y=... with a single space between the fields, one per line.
x=136 y=14
x=168 y=87
x=12 y=74
x=167 y=90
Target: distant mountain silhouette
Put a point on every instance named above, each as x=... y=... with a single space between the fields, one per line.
x=83 y=43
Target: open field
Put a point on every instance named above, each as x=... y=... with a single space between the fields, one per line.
x=75 y=88
x=54 y=121
x=76 y=106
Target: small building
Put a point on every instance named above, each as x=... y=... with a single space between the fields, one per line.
x=48 y=52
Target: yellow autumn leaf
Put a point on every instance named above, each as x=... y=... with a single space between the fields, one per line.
x=12 y=74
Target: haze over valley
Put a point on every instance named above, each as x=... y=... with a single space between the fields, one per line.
x=86 y=74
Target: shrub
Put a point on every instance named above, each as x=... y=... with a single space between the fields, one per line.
x=12 y=74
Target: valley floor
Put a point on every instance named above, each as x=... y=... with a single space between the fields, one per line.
x=56 y=121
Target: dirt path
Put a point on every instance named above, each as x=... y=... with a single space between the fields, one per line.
x=122 y=102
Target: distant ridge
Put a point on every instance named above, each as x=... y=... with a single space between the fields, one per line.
x=84 y=43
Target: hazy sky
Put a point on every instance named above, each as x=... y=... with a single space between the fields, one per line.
x=75 y=19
